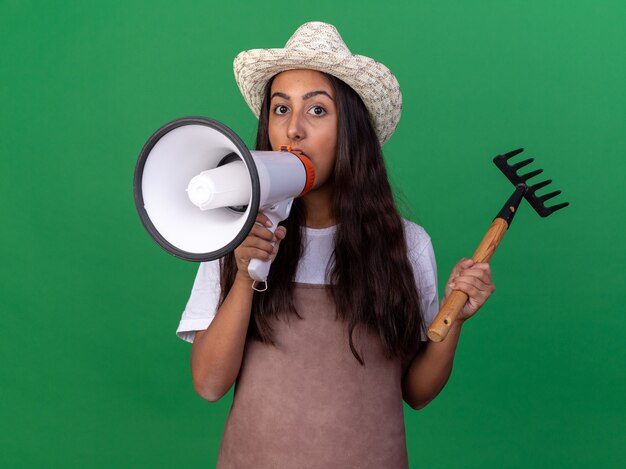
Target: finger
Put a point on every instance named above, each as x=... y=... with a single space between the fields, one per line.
x=261 y=232
x=479 y=274
x=485 y=267
x=454 y=273
x=476 y=292
x=468 y=264
x=463 y=264
x=257 y=243
x=253 y=253
x=474 y=287
x=263 y=220
x=476 y=279
x=280 y=233
x=279 y=236
x=470 y=285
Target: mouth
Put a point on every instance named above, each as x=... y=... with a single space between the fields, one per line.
x=300 y=152
x=290 y=149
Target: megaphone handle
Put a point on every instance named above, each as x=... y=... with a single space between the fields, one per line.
x=258 y=269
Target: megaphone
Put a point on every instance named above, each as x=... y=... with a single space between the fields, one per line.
x=198 y=189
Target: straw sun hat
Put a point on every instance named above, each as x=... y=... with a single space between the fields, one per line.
x=318 y=46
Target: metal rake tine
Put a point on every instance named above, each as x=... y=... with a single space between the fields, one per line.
x=539 y=185
x=554 y=208
x=521 y=164
x=543 y=198
x=532 y=174
x=511 y=154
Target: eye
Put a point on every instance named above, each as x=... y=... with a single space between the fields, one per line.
x=280 y=109
x=317 y=111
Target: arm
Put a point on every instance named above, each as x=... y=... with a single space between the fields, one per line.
x=217 y=352
x=431 y=367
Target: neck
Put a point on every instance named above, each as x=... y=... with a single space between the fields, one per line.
x=318 y=206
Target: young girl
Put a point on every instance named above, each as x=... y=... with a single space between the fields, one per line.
x=324 y=358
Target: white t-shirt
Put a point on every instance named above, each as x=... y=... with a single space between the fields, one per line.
x=312 y=269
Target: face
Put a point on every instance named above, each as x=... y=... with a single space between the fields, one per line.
x=303 y=114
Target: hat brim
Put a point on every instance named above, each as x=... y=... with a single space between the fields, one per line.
x=375 y=84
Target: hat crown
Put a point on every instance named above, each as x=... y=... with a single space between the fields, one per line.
x=318 y=46
x=319 y=37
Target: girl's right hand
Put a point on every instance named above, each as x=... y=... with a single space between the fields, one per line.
x=259 y=244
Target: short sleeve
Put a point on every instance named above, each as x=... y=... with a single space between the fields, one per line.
x=422 y=259
x=202 y=304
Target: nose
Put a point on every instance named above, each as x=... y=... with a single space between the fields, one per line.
x=295 y=129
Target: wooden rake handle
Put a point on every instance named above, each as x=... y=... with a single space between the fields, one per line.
x=449 y=311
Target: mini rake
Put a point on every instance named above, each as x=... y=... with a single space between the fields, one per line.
x=449 y=311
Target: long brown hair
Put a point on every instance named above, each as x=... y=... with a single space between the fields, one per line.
x=372 y=281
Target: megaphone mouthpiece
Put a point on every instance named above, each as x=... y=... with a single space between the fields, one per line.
x=308 y=167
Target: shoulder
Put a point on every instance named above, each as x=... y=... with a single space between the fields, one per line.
x=207 y=278
x=203 y=301
x=417 y=239
x=421 y=255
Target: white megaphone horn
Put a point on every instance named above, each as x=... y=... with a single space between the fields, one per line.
x=198 y=189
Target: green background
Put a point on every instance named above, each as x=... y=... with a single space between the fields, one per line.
x=92 y=374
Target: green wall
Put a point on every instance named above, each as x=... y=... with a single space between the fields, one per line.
x=92 y=374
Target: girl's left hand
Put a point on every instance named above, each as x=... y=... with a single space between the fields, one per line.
x=475 y=281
